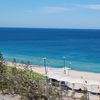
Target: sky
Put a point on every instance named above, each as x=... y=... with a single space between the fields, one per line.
x=50 y=13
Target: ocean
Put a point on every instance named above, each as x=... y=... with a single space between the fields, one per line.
x=81 y=47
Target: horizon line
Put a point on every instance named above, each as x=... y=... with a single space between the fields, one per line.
x=53 y=28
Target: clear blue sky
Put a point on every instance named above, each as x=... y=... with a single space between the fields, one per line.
x=50 y=13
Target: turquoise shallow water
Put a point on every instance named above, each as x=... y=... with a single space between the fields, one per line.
x=81 y=47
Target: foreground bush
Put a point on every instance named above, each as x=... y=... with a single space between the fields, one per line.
x=24 y=82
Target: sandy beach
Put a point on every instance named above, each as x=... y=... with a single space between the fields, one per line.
x=71 y=73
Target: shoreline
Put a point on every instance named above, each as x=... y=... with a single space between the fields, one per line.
x=58 y=63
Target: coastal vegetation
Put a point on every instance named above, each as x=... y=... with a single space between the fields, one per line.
x=24 y=82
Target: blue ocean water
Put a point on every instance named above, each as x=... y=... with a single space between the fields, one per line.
x=80 y=46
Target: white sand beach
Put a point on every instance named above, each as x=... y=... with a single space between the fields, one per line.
x=71 y=73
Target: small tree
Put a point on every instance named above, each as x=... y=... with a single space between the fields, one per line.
x=2 y=66
x=3 y=74
x=1 y=57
